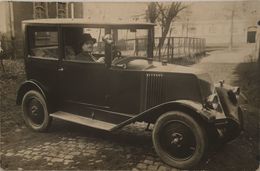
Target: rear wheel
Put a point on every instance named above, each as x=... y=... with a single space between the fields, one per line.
x=35 y=112
x=179 y=140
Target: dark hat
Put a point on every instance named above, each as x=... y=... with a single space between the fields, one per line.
x=86 y=37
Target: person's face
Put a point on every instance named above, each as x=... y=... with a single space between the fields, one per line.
x=88 y=46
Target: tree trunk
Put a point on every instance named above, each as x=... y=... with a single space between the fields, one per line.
x=164 y=34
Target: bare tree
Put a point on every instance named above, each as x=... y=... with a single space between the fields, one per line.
x=164 y=14
x=152 y=12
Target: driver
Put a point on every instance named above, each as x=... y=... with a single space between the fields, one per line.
x=87 y=43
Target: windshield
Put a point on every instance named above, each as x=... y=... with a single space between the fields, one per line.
x=131 y=42
x=87 y=43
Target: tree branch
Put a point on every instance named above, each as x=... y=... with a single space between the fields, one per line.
x=161 y=10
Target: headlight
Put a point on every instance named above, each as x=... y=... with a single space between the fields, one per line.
x=212 y=101
x=233 y=95
x=236 y=91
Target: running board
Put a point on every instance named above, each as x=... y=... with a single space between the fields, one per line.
x=83 y=120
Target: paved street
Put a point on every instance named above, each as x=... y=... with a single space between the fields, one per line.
x=71 y=146
x=221 y=64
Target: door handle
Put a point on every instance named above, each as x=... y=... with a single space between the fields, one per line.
x=61 y=69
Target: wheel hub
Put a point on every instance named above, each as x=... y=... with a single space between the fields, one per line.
x=34 y=110
x=177 y=139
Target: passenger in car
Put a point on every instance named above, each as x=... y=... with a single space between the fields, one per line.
x=69 y=52
x=87 y=43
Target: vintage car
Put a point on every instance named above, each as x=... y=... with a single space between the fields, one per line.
x=187 y=111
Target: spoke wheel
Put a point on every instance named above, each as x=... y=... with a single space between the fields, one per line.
x=179 y=140
x=35 y=113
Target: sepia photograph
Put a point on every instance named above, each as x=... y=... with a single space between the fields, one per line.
x=130 y=85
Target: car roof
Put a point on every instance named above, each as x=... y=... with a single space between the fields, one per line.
x=69 y=21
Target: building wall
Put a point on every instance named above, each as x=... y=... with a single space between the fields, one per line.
x=215 y=33
x=212 y=20
x=78 y=10
x=4 y=17
x=24 y=11
x=114 y=11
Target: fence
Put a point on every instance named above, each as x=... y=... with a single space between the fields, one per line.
x=173 y=49
x=179 y=47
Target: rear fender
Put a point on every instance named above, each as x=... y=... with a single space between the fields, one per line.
x=27 y=86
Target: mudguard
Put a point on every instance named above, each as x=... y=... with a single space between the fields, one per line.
x=153 y=113
x=30 y=85
x=230 y=104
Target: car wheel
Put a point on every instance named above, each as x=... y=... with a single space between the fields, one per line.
x=179 y=140
x=35 y=112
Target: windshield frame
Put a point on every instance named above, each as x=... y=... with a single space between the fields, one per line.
x=108 y=30
x=150 y=43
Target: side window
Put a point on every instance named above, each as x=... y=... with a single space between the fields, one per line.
x=131 y=42
x=84 y=44
x=44 y=43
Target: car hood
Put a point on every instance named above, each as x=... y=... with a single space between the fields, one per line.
x=171 y=68
x=183 y=82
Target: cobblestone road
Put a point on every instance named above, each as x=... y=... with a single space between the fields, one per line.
x=71 y=146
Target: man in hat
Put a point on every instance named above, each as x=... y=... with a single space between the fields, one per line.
x=87 y=43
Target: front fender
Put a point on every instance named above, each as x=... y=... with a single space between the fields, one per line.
x=230 y=103
x=193 y=108
x=197 y=108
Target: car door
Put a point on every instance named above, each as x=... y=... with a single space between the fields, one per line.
x=81 y=82
x=43 y=57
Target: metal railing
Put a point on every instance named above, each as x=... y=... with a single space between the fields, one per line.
x=179 y=47
x=174 y=48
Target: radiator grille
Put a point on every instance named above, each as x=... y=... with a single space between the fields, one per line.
x=155 y=92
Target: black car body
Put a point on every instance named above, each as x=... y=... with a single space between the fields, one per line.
x=184 y=105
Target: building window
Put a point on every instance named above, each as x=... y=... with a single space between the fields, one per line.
x=62 y=9
x=40 y=10
x=251 y=34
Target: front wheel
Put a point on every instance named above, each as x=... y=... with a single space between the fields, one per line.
x=179 y=140
x=35 y=112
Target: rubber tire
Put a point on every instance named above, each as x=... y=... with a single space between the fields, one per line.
x=47 y=119
x=199 y=133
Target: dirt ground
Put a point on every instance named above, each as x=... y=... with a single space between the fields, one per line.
x=71 y=146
